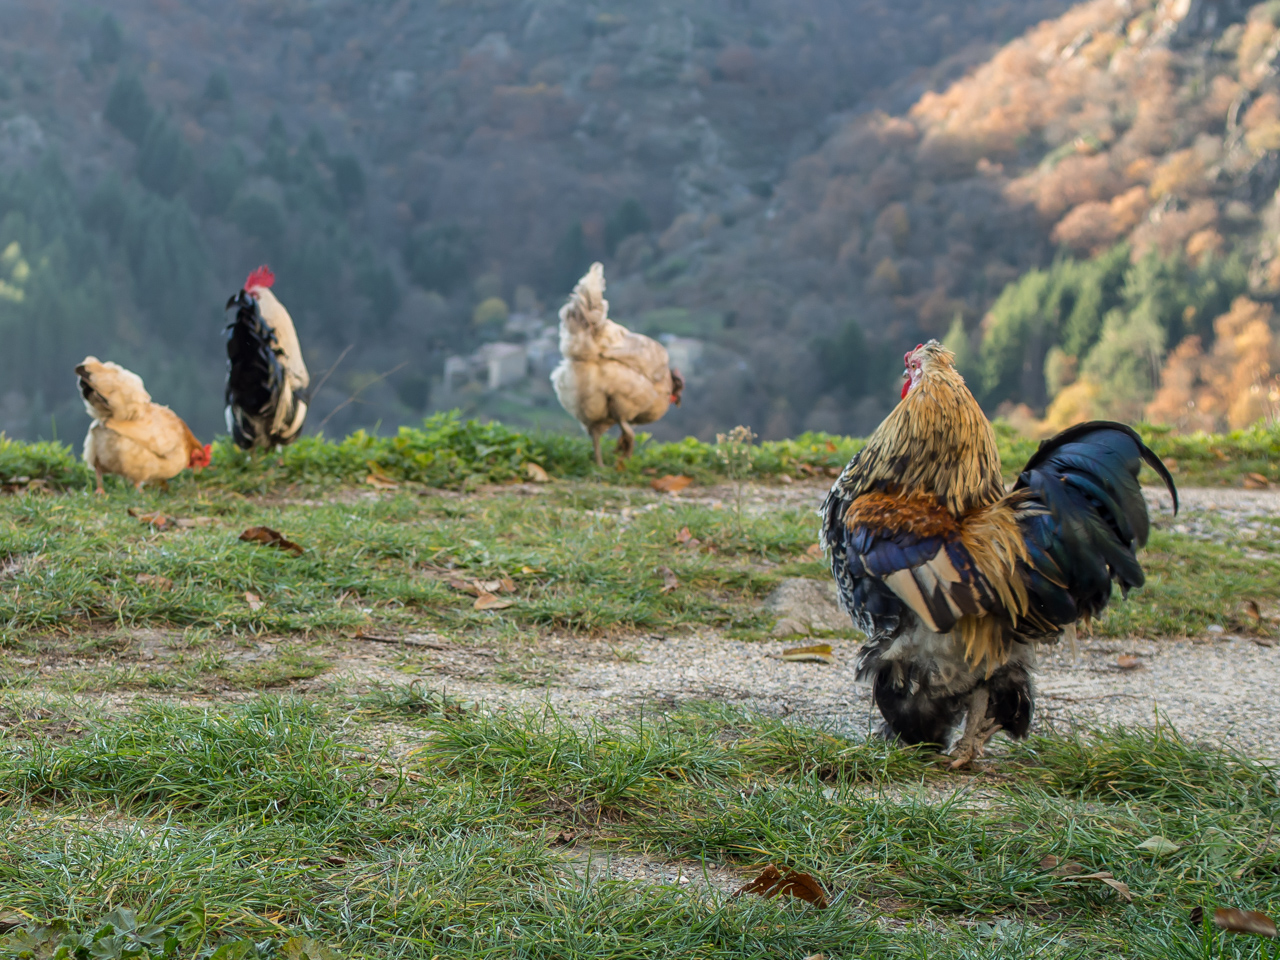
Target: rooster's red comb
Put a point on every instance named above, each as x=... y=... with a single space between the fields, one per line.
x=262 y=277
x=906 y=358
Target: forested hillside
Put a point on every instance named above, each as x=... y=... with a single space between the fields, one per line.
x=805 y=186
x=1077 y=217
x=397 y=163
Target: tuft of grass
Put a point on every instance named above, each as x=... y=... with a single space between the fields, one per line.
x=1154 y=766
x=269 y=760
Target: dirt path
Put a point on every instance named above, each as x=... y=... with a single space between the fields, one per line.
x=1218 y=688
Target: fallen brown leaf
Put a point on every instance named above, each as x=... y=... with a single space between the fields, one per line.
x=156 y=581
x=379 y=480
x=814 y=550
x=254 y=601
x=1244 y=921
x=684 y=536
x=1252 y=610
x=671 y=483
x=816 y=653
x=536 y=473
x=1256 y=481
x=1118 y=886
x=831 y=447
x=487 y=601
x=507 y=585
x=271 y=538
x=466 y=586
x=772 y=883
x=1127 y=661
x=157 y=519
x=1060 y=868
x=489 y=586
x=335 y=861
x=669 y=579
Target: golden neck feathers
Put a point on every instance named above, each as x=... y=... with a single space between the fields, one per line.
x=936 y=442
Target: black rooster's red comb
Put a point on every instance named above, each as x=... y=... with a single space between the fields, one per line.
x=262 y=277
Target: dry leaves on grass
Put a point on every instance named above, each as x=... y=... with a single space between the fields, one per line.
x=773 y=882
x=488 y=601
x=379 y=480
x=162 y=521
x=815 y=653
x=1070 y=870
x=536 y=473
x=155 y=581
x=254 y=601
x=1239 y=921
x=1256 y=481
x=670 y=581
x=1159 y=846
x=479 y=587
x=1128 y=661
x=813 y=551
x=671 y=483
x=271 y=538
x=687 y=540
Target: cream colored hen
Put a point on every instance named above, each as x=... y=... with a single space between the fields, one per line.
x=609 y=375
x=130 y=436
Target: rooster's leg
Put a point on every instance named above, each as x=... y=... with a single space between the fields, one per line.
x=98 y=472
x=626 y=442
x=978 y=729
x=597 y=431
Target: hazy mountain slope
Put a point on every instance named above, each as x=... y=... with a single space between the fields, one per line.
x=398 y=162
x=1150 y=124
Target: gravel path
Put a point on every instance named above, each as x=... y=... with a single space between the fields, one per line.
x=1217 y=689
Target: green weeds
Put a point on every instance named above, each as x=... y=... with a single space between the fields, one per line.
x=447 y=451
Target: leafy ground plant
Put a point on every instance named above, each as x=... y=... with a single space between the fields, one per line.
x=447 y=451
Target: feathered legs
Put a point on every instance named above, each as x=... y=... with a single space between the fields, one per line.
x=979 y=727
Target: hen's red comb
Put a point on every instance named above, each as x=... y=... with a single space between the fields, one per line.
x=262 y=277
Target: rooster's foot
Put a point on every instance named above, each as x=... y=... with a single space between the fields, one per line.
x=973 y=744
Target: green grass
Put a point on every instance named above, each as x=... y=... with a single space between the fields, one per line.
x=278 y=819
x=447 y=451
x=586 y=559
x=82 y=561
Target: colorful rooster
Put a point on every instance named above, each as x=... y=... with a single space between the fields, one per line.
x=953 y=580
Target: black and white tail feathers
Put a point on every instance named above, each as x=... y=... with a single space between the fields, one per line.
x=263 y=409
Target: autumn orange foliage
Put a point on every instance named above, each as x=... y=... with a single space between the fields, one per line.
x=1229 y=388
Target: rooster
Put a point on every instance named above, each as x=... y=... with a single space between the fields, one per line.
x=266 y=378
x=610 y=375
x=953 y=580
x=131 y=436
